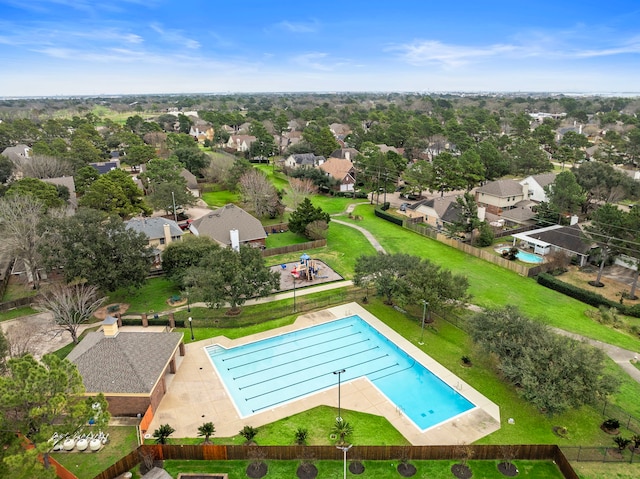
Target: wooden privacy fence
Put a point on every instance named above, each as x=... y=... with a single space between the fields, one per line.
x=292 y=248
x=370 y=453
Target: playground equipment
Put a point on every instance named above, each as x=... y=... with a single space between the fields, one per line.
x=307 y=268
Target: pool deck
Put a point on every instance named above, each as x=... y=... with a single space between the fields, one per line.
x=195 y=394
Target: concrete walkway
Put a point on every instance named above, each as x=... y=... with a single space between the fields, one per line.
x=366 y=233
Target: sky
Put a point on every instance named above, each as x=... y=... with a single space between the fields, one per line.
x=114 y=47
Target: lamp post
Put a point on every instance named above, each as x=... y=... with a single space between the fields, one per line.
x=424 y=313
x=339 y=372
x=191 y=327
x=344 y=450
x=188 y=303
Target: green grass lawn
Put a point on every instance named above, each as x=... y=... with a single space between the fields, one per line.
x=373 y=469
x=276 y=240
x=86 y=465
x=152 y=297
x=17 y=313
x=218 y=198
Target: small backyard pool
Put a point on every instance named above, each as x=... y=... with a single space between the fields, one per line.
x=523 y=256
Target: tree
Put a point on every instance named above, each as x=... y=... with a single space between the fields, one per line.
x=632 y=246
x=607 y=230
x=342 y=429
x=22 y=233
x=160 y=171
x=207 y=430
x=554 y=373
x=305 y=214
x=383 y=272
x=98 y=249
x=528 y=158
x=229 y=276
x=258 y=192
x=70 y=305
x=45 y=193
x=603 y=184
x=165 y=195
x=192 y=158
x=5 y=351
x=473 y=171
x=321 y=140
x=417 y=176
x=299 y=189
x=239 y=168
x=40 y=398
x=41 y=166
x=265 y=145
x=179 y=256
x=6 y=169
x=115 y=192
x=467 y=220
x=249 y=433
x=162 y=433
x=485 y=235
x=84 y=177
x=140 y=154
x=565 y=194
x=446 y=173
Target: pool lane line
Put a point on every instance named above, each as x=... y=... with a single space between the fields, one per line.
x=292 y=341
x=364 y=351
x=309 y=392
x=285 y=353
x=265 y=393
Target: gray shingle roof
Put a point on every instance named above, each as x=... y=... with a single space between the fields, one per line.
x=127 y=363
x=153 y=227
x=570 y=238
x=218 y=223
x=501 y=188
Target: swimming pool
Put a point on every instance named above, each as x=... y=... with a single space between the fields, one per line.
x=269 y=373
x=524 y=256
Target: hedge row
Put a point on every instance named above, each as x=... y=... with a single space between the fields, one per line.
x=180 y=323
x=386 y=216
x=588 y=297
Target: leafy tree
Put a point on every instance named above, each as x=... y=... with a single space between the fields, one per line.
x=565 y=194
x=192 y=158
x=485 y=235
x=229 y=276
x=82 y=151
x=84 y=177
x=321 y=140
x=6 y=169
x=207 y=430
x=162 y=433
x=98 y=249
x=417 y=176
x=318 y=177
x=45 y=193
x=301 y=436
x=38 y=398
x=305 y=214
x=140 y=154
x=184 y=123
x=179 y=256
x=5 y=350
x=554 y=373
x=114 y=192
x=446 y=173
x=631 y=246
x=239 y=168
x=166 y=194
x=521 y=123
x=342 y=429
x=496 y=165
x=607 y=230
x=383 y=272
x=473 y=171
x=528 y=158
x=160 y=171
x=603 y=184
x=249 y=433
x=467 y=220
x=265 y=145
x=70 y=305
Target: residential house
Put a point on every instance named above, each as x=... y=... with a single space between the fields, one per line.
x=345 y=154
x=342 y=171
x=500 y=195
x=387 y=148
x=129 y=368
x=106 y=166
x=202 y=131
x=240 y=142
x=230 y=226
x=308 y=160
x=192 y=182
x=17 y=153
x=568 y=239
x=160 y=232
x=435 y=211
x=70 y=184
x=339 y=130
x=536 y=184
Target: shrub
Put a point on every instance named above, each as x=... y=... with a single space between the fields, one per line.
x=301 y=436
x=621 y=442
x=249 y=433
x=611 y=424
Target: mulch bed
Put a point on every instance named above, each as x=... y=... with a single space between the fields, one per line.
x=406 y=469
x=307 y=471
x=508 y=469
x=257 y=470
x=461 y=471
x=356 y=467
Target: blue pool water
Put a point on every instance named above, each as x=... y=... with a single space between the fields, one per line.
x=274 y=371
x=524 y=256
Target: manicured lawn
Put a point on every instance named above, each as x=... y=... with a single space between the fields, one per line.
x=599 y=470
x=17 y=313
x=86 y=465
x=373 y=469
x=333 y=205
x=276 y=240
x=217 y=199
x=152 y=297
x=17 y=291
x=277 y=178
x=492 y=286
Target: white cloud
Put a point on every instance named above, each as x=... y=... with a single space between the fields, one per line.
x=318 y=61
x=435 y=52
x=298 y=27
x=175 y=37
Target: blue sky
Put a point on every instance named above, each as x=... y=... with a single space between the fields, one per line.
x=87 y=47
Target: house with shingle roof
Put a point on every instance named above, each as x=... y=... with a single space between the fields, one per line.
x=537 y=183
x=17 y=153
x=106 y=166
x=301 y=160
x=129 y=368
x=435 y=211
x=230 y=226
x=345 y=154
x=568 y=239
x=192 y=182
x=159 y=231
x=240 y=142
x=497 y=196
x=342 y=171
x=69 y=183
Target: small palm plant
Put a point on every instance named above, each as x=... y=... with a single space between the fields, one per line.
x=342 y=429
x=207 y=430
x=621 y=442
x=249 y=432
x=301 y=436
x=162 y=433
